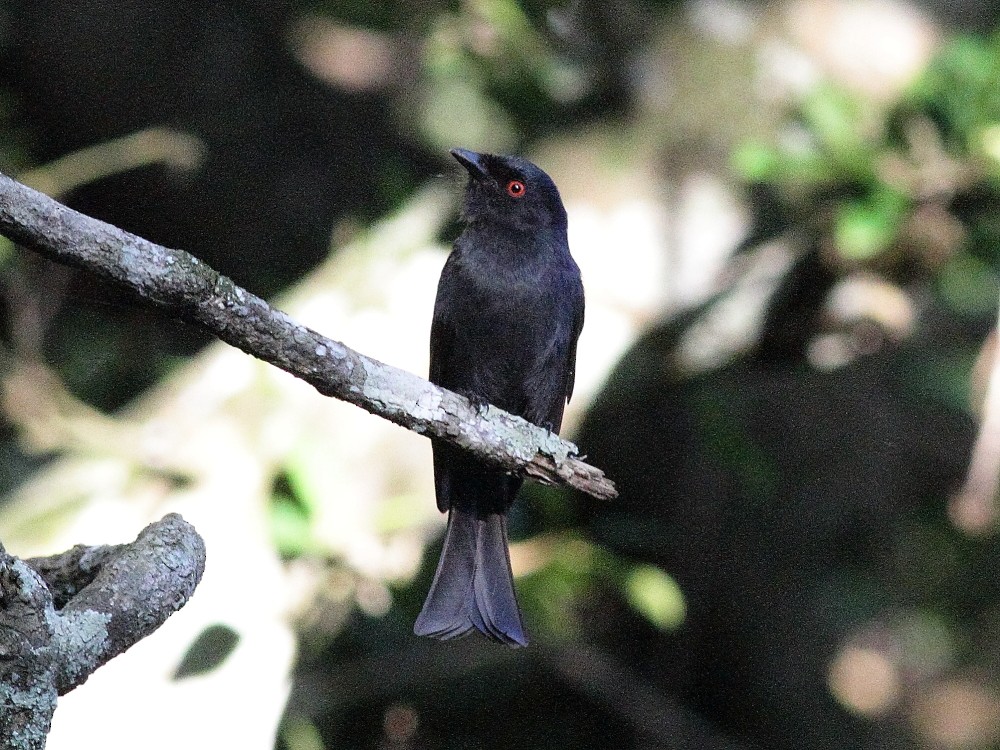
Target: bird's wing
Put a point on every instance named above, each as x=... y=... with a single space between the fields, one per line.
x=442 y=330
x=440 y=345
x=574 y=337
x=442 y=342
x=549 y=390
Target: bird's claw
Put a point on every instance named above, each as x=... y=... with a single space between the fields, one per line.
x=479 y=403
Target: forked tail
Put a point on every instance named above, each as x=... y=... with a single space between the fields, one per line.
x=473 y=586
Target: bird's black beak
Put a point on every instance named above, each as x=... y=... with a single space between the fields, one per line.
x=472 y=162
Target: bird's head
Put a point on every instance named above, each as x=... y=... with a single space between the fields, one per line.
x=511 y=191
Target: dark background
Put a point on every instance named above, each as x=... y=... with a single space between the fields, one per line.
x=837 y=592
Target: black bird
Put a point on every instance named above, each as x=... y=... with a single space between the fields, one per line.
x=508 y=313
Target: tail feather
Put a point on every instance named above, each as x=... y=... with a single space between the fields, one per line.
x=443 y=615
x=493 y=584
x=473 y=587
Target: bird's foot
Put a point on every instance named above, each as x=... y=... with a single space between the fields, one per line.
x=479 y=403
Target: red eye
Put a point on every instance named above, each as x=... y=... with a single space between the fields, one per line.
x=515 y=189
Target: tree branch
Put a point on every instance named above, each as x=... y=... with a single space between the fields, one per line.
x=192 y=291
x=62 y=617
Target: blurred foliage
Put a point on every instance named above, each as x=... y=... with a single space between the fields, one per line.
x=500 y=73
x=906 y=190
x=207 y=652
x=806 y=505
x=773 y=509
x=286 y=158
x=656 y=595
x=292 y=512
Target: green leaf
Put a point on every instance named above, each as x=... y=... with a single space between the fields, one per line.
x=551 y=593
x=969 y=286
x=295 y=500
x=757 y=162
x=865 y=228
x=835 y=118
x=987 y=141
x=291 y=527
x=6 y=250
x=656 y=596
x=959 y=89
x=307 y=472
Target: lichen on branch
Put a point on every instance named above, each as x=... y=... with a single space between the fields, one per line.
x=194 y=292
x=64 y=616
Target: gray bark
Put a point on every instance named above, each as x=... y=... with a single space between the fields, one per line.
x=62 y=617
x=192 y=291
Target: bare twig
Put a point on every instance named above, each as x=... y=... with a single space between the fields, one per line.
x=63 y=617
x=192 y=291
